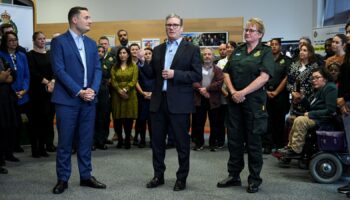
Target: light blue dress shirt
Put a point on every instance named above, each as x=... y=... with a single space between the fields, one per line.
x=171 y=48
x=79 y=41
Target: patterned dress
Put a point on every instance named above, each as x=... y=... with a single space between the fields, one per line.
x=124 y=79
x=300 y=78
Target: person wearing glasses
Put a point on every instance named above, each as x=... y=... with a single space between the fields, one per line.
x=175 y=66
x=247 y=71
x=19 y=64
x=321 y=107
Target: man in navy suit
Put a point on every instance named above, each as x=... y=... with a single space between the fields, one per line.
x=78 y=74
x=175 y=66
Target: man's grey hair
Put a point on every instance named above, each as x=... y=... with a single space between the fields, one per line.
x=173 y=15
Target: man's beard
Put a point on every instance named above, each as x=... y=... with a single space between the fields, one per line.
x=124 y=42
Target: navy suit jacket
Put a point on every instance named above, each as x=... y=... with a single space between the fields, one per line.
x=68 y=69
x=187 y=70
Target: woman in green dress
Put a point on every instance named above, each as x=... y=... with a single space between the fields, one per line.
x=124 y=77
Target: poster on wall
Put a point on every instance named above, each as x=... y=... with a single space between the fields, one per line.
x=21 y=18
x=111 y=39
x=206 y=39
x=320 y=35
x=150 y=43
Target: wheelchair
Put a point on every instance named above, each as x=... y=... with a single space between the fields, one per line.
x=324 y=154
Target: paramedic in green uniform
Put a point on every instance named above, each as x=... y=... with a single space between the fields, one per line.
x=248 y=70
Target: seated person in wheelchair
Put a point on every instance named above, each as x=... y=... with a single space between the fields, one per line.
x=321 y=107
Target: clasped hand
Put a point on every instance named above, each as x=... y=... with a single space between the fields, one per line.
x=87 y=94
x=238 y=96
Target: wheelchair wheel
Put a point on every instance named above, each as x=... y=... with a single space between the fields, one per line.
x=325 y=168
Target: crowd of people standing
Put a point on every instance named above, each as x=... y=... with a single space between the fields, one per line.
x=169 y=91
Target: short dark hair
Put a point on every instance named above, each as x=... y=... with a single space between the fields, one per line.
x=324 y=72
x=35 y=35
x=134 y=44
x=121 y=31
x=278 y=40
x=4 y=26
x=232 y=43
x=149 y=49
x=75 y=11
x=103 y=38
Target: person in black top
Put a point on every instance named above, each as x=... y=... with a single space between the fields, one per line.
x=277 y=104
x=8 y=113
x=41 y=86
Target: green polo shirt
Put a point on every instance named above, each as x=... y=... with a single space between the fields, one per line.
x=244 y=67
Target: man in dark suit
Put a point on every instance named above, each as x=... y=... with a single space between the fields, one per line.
x=175 y=66
x=76 y=66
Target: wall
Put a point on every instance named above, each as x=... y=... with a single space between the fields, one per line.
x=283 y=18
x=139 y=29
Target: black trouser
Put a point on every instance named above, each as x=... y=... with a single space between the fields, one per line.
x=198 y=123
x=102 y=120
x=6 y=135
x=161 y=121
x=16 y=140
x=42 y=114
x=125 y=123
x=277 y=108
x=246 y=124
x=140 y=129
x=221 y=125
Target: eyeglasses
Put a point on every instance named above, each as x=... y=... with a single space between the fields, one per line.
x=248 y=30
x=174 y=26
x=12 y=40
x=313 y=78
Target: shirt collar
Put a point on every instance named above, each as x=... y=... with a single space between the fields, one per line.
x=76 y=36
x=177 y=42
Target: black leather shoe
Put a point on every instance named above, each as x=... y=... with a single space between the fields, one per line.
x=179 y=185
x=51 y=148
x=267 y=150
x=109 y=142
x=44 y=154
x=155 y=182
x=345 y=189
x=101 y=146
x=142 y=145
x=348 y=194
x=11 y=158
x=93 y=183
x=60 y=187
x=119 y=145
x=3 y=171
x=229 y=181
x=19 y=149
x=252 y=188
x=290 y=153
